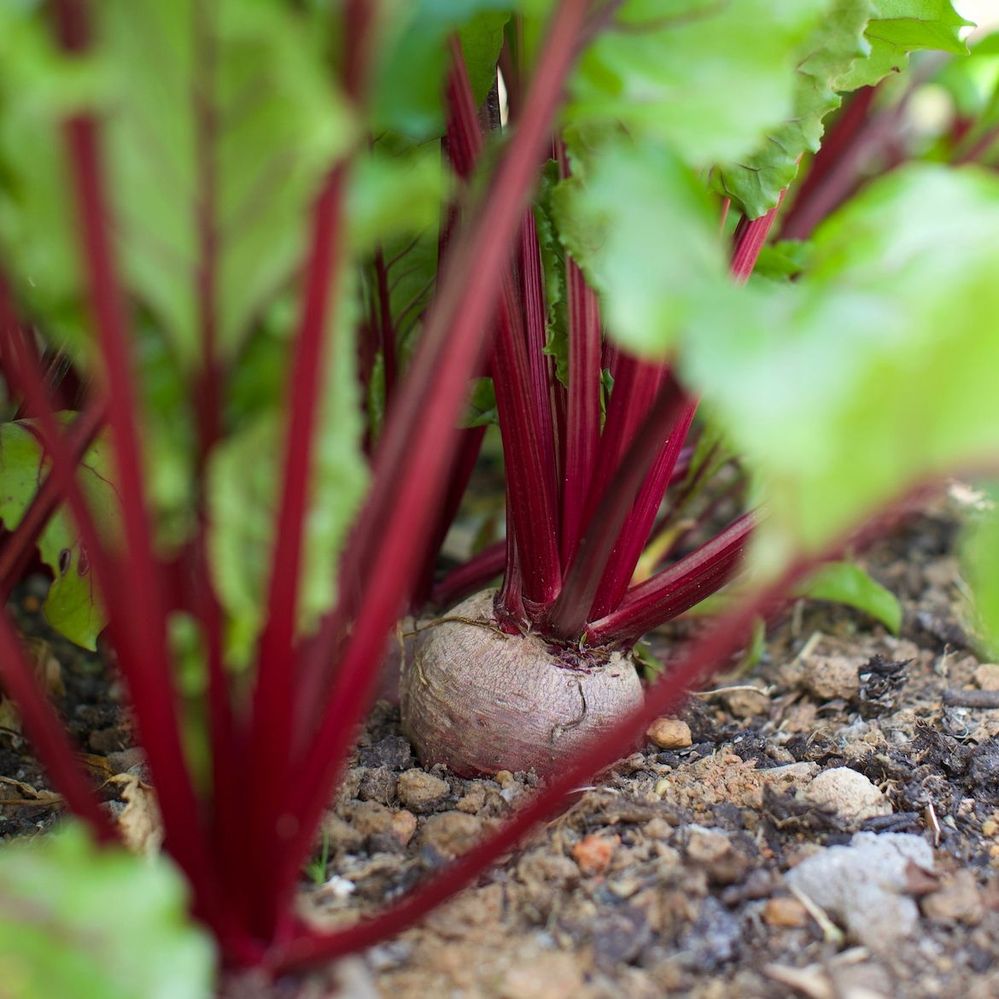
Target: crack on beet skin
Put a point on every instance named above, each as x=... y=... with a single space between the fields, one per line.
x=559 y=730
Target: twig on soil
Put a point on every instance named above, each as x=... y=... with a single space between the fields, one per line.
x=830 y=930
x=767 y=691
x=809 y=646
x=931 y=820
x=971 y=698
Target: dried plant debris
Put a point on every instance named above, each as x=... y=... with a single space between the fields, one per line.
x=881 y=682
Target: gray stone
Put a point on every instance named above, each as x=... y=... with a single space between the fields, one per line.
x=863 y=885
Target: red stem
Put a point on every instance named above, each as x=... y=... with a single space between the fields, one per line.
x=518 y=375
x=419 y=439
x=144 y=622
x=635 y=386
x=509 y=602
x=138 y=616
x=528 y=458
x=273 y=698
x=840 y=174
x=844 y=132
x=636 y=529
x=568 y=614
x=674 y=590
x=386 y=331
x=750 y=237
x=582 y=418
x=182 y=828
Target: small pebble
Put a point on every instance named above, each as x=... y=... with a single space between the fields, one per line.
x=377 y=784
x=669 y=733
x=713 y=850
x=746 y=703
x=420 y=791
x=451 y=833
x=958 y=900
x=853 y=797
x=829 y=677
x=371 y=818
x=593 y=853
x=403 y=826
x=784 y=911
x=986 y=677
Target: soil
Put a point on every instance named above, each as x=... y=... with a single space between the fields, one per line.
x=681 y=870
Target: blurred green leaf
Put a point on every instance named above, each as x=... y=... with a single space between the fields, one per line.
x=413 y=55
x=873 y=371
x=395 y=192
x=756 y=181
x=980 y=557
x=898 y=27
x=787 y=258
x=220 y=123
x=974 y=79
x=848 y=583
x=708 y=78
x=72 y=605
x=482 y=404
x=223 y=125
x=244 y=475
x=857 y=44
x=79 y=922
x=641 y=227
x=38 y=86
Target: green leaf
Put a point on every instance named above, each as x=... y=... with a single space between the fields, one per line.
x=642 y=229
x=225 y=126
x=220 y=123
x=395 y=192
x=898 y=27
x=847 y=583
x=482 y=405
x=972 y=82
x=780 y=261
x=244 y=474
x=553 y=269
x=413 y=55
x=72 y=605
x=755 y=182
x=980 y=557
x=874 y=371
x=80 y=922
x=708 y=78
x=857 y=44
x=38 y=86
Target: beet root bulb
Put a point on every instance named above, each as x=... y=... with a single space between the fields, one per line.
x=480 y=701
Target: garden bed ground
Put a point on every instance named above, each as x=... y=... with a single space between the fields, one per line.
x=671 y=875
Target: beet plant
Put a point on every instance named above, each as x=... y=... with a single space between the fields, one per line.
x=519 y=678
x=235 y=220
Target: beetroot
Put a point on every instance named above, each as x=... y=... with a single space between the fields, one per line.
x=481 y=700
